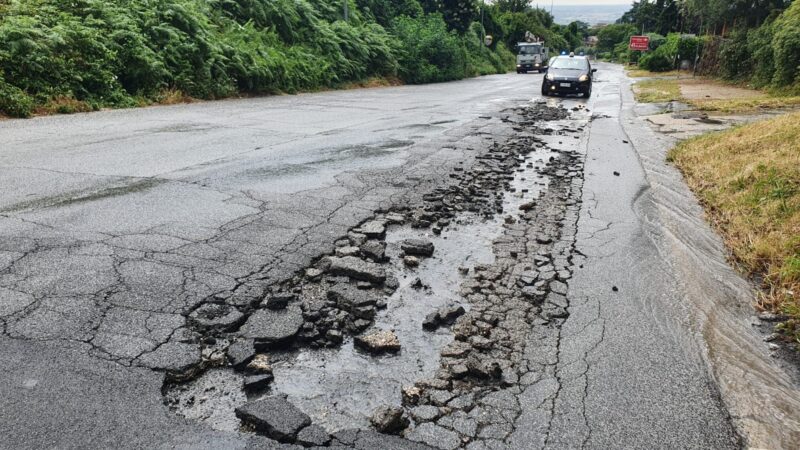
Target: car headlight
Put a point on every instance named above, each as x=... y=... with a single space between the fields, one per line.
x=551 y=77
x=583 y=78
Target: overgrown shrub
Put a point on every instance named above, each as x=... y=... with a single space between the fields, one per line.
x=428 y=50
x=13 y=101
x=75 y=55
x=668 y=53
x=786 y=49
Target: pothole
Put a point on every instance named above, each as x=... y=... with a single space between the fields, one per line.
x=383 y=279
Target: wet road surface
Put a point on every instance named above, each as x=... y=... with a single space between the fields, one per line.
x=116 y=226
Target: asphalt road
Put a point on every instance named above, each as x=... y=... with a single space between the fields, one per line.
x=113 y=223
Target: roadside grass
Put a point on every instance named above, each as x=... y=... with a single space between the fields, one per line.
x=745 y=105
x=708 y=94
x=748 y=179
x=641 y=73
x=63 y=105
x=657 y=91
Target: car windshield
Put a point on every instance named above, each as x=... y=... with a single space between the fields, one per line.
x=570 y=64
x=529 y=50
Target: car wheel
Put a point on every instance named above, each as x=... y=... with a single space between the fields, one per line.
x=544 y=92
x=588 y=93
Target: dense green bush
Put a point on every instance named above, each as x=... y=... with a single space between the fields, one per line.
x=786 y=49
x=85 y=54
x=13 y=101
x=762 y=57
x=669 y=52
x=429 y=52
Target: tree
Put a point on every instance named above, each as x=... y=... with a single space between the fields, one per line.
x=513 y=5
x=458 y=14
x=609 y=36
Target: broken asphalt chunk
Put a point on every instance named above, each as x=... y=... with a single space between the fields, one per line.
x=275 y=417
x=313 y=436
x=378 y=342
x=241 y=352
x=417 y=247
x=358 y=269
x=389 y=420
x=269 y=328
x=215 y=316
x=180 y=361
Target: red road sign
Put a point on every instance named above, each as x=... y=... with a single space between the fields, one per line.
x=641 y=43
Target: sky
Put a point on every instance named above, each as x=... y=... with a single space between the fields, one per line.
x=583 y=2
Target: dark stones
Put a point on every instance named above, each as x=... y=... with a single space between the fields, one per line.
x=443 y=316
x=275 y=417
x=358 y=269
x=431 y=321
x=389 y=420
x=334 y=336
x=271 y=328
x=417 y=247
x=484 y=369
x=378 y=342
x=215 y=316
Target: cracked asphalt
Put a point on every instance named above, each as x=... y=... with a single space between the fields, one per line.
x=115 y=225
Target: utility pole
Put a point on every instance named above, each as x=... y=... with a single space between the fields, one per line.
x=346 y=11
x=483 y=30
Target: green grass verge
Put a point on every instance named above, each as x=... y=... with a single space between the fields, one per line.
x=748 y=179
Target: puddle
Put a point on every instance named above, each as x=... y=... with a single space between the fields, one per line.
x=340 y=388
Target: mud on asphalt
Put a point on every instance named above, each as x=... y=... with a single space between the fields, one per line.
x=429 y=325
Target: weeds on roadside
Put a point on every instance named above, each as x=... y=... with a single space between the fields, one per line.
x=748 y=179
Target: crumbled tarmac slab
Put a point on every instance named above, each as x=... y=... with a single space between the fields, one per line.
x=275 y=417
x=473 y=401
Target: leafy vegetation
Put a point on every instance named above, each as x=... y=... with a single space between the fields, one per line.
x=79 y=55
x=749 y=180
x=751 y=41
